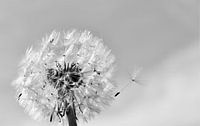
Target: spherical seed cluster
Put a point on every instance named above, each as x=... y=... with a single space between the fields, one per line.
x=67 y=78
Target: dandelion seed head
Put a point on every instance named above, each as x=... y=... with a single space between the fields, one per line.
x=68 y=69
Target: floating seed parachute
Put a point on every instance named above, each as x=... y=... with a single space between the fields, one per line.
x=68 y=77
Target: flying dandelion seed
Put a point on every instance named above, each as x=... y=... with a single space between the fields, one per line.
x=67 y=78
x=132 y=79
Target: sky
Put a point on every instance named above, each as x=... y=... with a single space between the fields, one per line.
x=161 y=36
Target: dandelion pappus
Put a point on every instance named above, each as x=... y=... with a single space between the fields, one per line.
x=132 y=79
x=61 y=89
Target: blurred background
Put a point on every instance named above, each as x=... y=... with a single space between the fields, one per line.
x=161 y=36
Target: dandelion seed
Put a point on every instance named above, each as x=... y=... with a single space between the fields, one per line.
x=132 y=79
x=135 y=74
x=67 y=78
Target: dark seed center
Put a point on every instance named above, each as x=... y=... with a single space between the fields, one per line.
x=68 y=74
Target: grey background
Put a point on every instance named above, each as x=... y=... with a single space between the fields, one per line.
x=159 y=35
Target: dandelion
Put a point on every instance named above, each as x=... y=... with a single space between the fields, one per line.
x=68 y=77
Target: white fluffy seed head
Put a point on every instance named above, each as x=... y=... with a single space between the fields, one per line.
x=91 y=92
